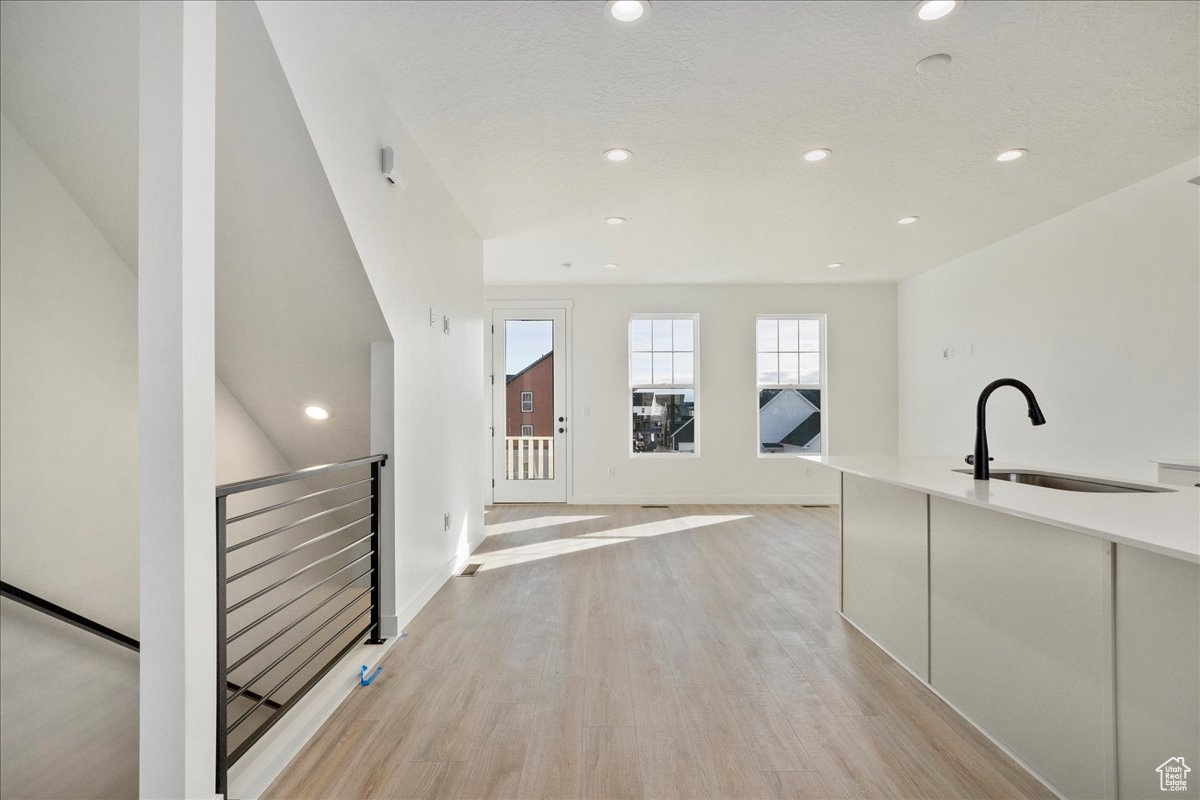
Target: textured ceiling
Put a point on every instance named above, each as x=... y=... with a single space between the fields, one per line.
x=295 y=313
x=513 y=103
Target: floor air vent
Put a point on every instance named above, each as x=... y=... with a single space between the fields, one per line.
x=655 y=506
x=470 y=571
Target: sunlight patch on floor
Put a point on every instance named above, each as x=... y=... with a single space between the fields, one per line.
x=673 y=525
x=533 y=523
x=586 y=541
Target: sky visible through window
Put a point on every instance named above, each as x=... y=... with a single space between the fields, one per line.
x=525 y=341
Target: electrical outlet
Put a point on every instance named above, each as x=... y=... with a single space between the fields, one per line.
x=432 y=318
x=970 y=351
x=446 y=521
x=948 y=352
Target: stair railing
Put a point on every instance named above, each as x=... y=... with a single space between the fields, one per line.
x=279 y=619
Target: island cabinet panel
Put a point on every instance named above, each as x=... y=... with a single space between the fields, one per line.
x=1158 y=671
x=1021 y=623
x=885 y=567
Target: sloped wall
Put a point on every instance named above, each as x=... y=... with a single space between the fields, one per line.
x=69 y=403
x=422 y=256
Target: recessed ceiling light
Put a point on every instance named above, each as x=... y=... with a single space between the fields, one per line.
x=1012 y=155
x=615 y=220
x=618 y=154
x=566 y=265
x=627 y=10
x=316 y=412
x=820 y=154
x=907 y=220
x=610 y=266
x=835 y=265
x=930 y=10
x=933 y=63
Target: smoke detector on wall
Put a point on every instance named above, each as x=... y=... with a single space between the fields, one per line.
x=390 y=171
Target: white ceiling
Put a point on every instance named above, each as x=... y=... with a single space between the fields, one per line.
x=295 y=313
x=513 y=103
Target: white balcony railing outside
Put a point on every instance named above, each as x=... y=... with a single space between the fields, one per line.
x=529 y=457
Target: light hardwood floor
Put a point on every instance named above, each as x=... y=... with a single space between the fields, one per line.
x=623 y=652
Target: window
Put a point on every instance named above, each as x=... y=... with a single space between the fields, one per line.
x=791 y=384
x=526 y=402
x=662 y=384
x=527 y=430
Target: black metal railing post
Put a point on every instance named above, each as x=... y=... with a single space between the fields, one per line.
x=376 y=606
x=222 y=676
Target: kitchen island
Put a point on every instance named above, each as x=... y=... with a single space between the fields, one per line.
x=1065 y=625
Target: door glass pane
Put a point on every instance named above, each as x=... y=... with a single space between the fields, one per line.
x=529 y=384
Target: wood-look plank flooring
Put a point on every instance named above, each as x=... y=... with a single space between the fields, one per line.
x=621 y=652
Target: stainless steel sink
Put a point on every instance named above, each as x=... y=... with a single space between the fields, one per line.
x=1067 y=483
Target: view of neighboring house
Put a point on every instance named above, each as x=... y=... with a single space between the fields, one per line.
x=664 y=421
x=789 y=420
x=530 y=399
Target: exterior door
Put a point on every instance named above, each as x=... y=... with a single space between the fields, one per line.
x=529 y=410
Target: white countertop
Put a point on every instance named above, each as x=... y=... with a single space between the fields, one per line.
x=1162 y=522
x=1178 y=463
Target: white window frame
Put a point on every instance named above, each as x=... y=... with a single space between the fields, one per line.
x=822 y=387
x=524 y=434
x=693 y=387
x=525 y=410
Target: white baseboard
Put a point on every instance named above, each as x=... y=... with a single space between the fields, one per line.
x=255 y=771
x=706 y=499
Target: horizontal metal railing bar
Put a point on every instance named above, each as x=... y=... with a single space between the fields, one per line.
x=262 y=729
x=256 y=512
x=291 y=650
x=296 y=524
x=301 y=596
x=275 y=637
x=296 y=475
x=251 y=695
x=297 y=574
x=66 y=615
x=303 y=664
x=293 y=550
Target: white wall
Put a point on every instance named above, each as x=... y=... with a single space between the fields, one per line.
x=1095 y=309
x=861 y=404
x=68 y=402
x=68 y=399
x=419 y=252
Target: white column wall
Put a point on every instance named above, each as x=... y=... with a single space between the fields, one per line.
x=176 y=172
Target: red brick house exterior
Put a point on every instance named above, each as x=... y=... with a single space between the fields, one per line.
x=537 y=382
